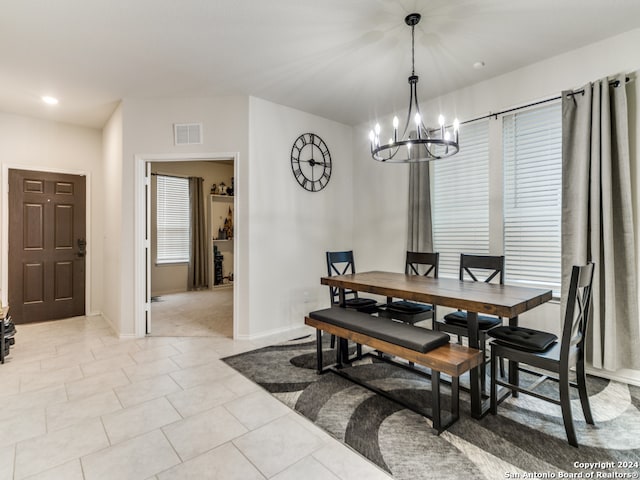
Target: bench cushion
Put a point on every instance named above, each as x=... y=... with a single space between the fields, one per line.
x=408 y=336
x=523 y=338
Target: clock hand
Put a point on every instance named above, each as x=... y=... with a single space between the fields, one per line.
x=313 y=162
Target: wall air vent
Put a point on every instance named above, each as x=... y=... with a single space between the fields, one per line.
x=187 y=133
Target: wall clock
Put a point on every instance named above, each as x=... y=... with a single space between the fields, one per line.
x=311 y=162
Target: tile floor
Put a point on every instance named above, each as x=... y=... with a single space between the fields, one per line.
x=76 y=402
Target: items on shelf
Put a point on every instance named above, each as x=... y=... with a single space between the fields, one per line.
x=222 y=189
x=225 y=232
x=7 y=334
x=217 y=266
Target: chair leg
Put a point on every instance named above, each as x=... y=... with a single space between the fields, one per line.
x=565 y=404
x=483 y=367
x=493 y=384
x=581 y=380
x=333 y=341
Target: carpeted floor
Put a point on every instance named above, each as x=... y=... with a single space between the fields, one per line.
x=525 y=440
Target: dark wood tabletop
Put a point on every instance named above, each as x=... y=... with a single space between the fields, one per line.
x=507 y=301
x=502 y=300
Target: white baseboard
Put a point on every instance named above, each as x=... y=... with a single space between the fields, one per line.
x=629 y=376
x=111 y=324
x=279 y=334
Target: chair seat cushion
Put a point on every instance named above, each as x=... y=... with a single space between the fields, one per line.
x=460 y=318
x=523 y=338
x=360 y=302
x=403 y=306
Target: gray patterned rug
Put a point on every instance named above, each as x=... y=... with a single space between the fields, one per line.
x=525 y=440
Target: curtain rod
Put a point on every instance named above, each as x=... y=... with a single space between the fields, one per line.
x=613 y=83
x=172 y=176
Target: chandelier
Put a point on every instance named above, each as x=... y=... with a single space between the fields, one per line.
x=417 y=142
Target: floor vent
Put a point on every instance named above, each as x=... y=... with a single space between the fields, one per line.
x=188 y=133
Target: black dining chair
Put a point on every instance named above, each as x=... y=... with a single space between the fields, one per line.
x=416 y=263
x=486 y=268
x=541 y=350
x=343 y=263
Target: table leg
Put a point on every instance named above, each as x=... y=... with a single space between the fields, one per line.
x=514 y=374
x=474 y=373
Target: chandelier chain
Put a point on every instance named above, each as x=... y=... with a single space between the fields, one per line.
x=413 y=70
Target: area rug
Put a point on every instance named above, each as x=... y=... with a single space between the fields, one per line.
x=525 y=440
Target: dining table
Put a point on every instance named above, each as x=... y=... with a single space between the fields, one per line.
x=506 y=301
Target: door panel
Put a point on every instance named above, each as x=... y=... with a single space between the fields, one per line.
x=46 y=249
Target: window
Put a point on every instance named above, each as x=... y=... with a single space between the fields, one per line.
x=460 y=199
x=522 y=216
x=172 y=194
x=532 y=158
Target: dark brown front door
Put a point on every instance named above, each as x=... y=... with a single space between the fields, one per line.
x=46 y=245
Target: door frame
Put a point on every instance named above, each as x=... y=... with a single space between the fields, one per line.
x=4 y=186
x=142 y=249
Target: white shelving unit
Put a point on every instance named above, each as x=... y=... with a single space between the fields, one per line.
x=222 y=208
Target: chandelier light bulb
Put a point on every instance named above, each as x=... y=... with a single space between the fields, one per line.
x=50 y=100
x=441 y=121
x=456 y=125
x=372 y=136
x=396 y=122
x=377 y=129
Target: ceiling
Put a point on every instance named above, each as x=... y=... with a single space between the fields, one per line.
x=346 y=60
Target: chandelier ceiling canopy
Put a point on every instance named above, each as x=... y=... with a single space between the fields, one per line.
x=417 y=142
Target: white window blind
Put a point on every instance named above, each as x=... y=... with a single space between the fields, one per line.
x=460 y=199
x=532 y=155
x=172 y=219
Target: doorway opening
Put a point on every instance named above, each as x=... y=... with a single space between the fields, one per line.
x=165 y=306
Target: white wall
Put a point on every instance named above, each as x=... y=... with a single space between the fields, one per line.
x=111 y=218
x=382 y=189
x=292 y=228
x=148 y=131
x=35 y=144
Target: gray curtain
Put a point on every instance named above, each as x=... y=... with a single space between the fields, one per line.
x=419 y=237
x=597 y=221
x=199 y=258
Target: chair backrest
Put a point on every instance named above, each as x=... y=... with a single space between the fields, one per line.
x=576 y=316
x=422 y=263
x=340 y=263
x=490 y=266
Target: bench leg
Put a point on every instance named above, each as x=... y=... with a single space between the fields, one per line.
x=319 y=350
x=455 y=397
x=342 y=352
x=435 y=400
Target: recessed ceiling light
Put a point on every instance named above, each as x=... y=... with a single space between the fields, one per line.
x=478 y=65
x=50 y=100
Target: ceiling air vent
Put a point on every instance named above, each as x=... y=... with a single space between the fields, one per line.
x=187 y=133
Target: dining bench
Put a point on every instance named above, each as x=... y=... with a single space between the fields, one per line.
x=414 y=344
